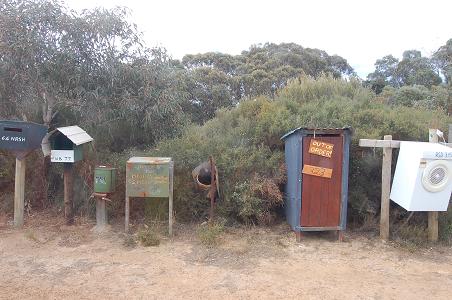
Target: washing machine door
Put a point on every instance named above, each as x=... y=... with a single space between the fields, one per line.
x=436 y=176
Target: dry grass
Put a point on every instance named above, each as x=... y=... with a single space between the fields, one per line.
x=209 y=234
x=148 y=238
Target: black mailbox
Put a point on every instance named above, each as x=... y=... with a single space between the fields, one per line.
x=21 y=137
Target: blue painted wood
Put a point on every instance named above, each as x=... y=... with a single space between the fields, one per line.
x=292 y=204
x=345 y=174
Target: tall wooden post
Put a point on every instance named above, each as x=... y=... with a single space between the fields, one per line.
x=449 y=136
x=170 y=198
x=68 y=193
x=385 y=190
x=19 y=193
x=432 y=215
x=127 y=214
x=213 y=189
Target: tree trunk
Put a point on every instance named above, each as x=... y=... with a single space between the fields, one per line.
x=47 y=116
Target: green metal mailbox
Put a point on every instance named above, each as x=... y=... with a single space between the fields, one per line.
x=149 y=177
x=104 y=180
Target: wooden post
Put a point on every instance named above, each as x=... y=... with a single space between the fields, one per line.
x=170 y=199
x=298 y=236
x=101 y=213
x=68 y=193
x=449 y=135
x=385 y=190
x=127 y=213
x=19 y=193
x=432 y=215
x=212 y=190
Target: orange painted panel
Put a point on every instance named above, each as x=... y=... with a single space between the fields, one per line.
x=321 y=196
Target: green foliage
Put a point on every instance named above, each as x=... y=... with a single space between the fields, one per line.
x=245 y=142
x=413 y=69
x=443 y=60
x=435 y=98
x=90 y=68
x=216 y=80
x=209 y=234
x=60 y=67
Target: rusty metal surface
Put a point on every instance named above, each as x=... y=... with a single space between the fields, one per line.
x=149 y=160
x=310 y=130
x=147 y=177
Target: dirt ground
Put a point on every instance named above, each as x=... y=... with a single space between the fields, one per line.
x=52 y=261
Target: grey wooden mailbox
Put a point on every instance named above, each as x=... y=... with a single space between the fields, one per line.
x=20 y=138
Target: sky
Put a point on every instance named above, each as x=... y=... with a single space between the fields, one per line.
x=360 y=31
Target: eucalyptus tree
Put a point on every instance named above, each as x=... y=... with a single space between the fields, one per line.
x=216 y=80
x=443 y=59
x=413 y=69
x=59 y=66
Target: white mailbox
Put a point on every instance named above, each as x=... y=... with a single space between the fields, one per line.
x=423 y=177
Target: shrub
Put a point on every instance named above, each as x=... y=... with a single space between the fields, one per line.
x=245 y=142
x=148 y=237
x=209 y=234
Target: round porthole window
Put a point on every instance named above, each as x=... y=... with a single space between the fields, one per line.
x=436 y=176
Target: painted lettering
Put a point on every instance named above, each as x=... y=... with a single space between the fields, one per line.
x=17 y=139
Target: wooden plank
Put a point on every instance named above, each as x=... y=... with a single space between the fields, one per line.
x=432 y=215
x=335 y=197
x=310 y=228
x=308 y=208
x=328 y=197
x=385 y=190
x=392 y=144
x=379 y=143
x=321 y=197
x=321 y=148
x=19 y=193
x=317 y=171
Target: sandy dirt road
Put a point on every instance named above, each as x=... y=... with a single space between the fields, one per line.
x=57 y=262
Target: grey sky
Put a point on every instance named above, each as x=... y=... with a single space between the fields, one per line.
x=360 y=31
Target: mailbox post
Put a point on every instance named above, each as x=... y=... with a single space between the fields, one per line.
x=65 y=145
x=20 y=138
x=104 y=185
x=150 y=177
